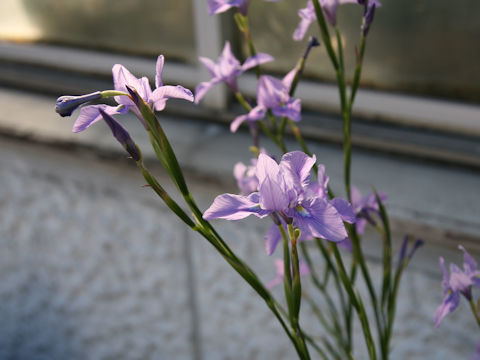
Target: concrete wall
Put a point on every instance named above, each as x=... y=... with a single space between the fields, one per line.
x=93 y=266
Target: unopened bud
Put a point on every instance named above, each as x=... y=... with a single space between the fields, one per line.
x=67 y=104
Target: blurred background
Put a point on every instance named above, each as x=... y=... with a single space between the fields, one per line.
x=92 y=265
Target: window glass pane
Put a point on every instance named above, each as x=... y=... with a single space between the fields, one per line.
x=144 y=27
x=417 y=46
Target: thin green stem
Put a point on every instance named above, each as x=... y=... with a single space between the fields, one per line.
x=325 y=34
x=358 y=255
x=474 y=311
x=358 y=69
x=357 y=303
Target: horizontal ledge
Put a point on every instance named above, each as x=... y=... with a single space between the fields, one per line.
x=400 y=109
x=407 y=110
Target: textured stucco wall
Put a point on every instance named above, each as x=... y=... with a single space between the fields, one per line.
x=94 y=267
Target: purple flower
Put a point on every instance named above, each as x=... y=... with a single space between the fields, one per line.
x=219 y=6
x=123 y=78
x=285 y=189
x=457 y=283
x=227 y=69
x=245 y=175
x=278 y=279
x=122 y=135
x=311 y=190
x=272 y=94
x=364 y=207
x=329 y=8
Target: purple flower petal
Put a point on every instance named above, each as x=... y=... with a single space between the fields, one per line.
x=307 y=16
x=237 y=122
x=292 y=110
x=469 y=263
x=89 y=115
x=246 y=179
x=346 y=244
x=271 y=92
x=123 y=77
x=450 y=302
x=122 y=135
x=272 y=193
x=459 y=281
x=288 y=79
x=299 y=165
x=322 y=181
x=203 y=88
x=321 y=219
x=210 y=65
x=265 y=166
x=163 y=93
x=360 y=225
x=272 y=238
x=219 y=6
x=344 y=209
x=256 y=60
x=234 y=207
x=159 y=70
x=257 y=113
x=301 y=29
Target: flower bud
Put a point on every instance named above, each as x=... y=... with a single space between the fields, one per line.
x=65 y=105
x=368 y=18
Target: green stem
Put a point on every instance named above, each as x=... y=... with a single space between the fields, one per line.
x=358 y=255
x=325 y=34
x=357 y=303
x=358 y=69
x=164 y=195
x=474 y=311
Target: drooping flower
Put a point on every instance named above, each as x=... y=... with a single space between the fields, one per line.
x=122 y=136
x=280 y=271
x=329 y=8
x=457 y=283
x=272 y=94
x=227 y=69
x=122 y=78
x=219 y=6
x=285 y=189
x=364 y=207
